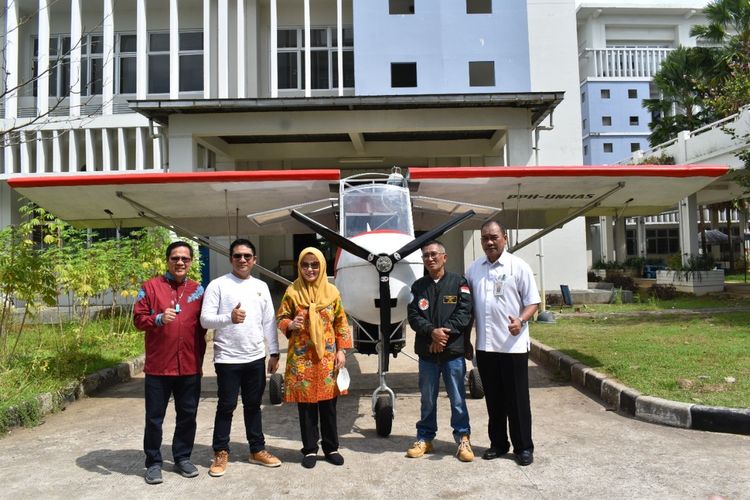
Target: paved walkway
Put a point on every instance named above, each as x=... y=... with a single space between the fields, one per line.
x=93 y=450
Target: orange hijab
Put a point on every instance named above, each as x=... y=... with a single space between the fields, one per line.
x=314 y=296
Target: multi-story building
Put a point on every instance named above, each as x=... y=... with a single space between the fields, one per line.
x=185 y=85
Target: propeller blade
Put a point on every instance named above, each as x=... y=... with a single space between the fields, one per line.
x=333 y=237
x=417 y=243
x=385 y=320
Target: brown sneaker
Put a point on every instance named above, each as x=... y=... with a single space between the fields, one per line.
x=419 y=448
x=219 y=464
x=265 y=459
x=464 y=452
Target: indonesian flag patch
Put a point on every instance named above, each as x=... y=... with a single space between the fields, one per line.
x=424 y=304
x=465 y=289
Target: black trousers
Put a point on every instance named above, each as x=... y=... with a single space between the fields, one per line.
x=186 y=391
x=249 y=380
x=308 y=424
x=505 y=378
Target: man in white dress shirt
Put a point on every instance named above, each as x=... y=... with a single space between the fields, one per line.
x=505 y=299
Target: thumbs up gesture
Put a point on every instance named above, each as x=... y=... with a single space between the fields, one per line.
x=170 y=313
x=238 y=314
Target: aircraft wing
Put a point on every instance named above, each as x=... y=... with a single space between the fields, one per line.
x=207 y=203
x=536 y=197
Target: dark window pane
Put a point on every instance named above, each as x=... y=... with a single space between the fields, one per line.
x=191 y=73
x=479 y=6
x=53 y=46
x=400 y=7
x=36 y=47
x=318 y=38
x=482 y=74
x=286 y=38
x=127 y=75
x=348 y=69
x=287 y=70
x=191 y=41
x=159 y=42
x=65 y=78
x=319 y=71
x=403 y=75
x=128 y=43
x=96 y=45
x=95 y=83
x=84 y=76
x=348 y=37
x=158 y=74
x=66 y=46
x=52 y=80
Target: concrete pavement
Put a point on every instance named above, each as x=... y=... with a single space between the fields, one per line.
x=93 y=450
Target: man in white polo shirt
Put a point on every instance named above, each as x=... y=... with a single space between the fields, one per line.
x=505 y=299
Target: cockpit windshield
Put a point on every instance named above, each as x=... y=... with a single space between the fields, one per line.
x=375 y=207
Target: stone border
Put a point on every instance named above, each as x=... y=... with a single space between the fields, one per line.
x=50 y=402
x=616 y=396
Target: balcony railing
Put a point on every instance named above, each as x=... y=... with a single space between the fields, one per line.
x=622 y=62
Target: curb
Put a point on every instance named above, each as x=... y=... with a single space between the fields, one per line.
x=616 y=396
x=51 y=402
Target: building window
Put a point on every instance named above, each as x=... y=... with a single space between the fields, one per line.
x=403 y=75
x=632 y=93
x=59 y=66
x=606 y=121
x=662 y=241
x=479 y=6
x=323 y=58
x=635 y=146
x=634 y=121
x=191 y=62
x=607 y=147
x=400 y=7
x=482 y=74
x=605 y=93
x=126 y=65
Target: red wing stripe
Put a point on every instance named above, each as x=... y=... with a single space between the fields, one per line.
x=436 y=173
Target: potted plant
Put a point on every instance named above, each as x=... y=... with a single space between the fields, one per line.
x=697 y=276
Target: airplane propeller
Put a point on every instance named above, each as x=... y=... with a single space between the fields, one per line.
x=383 y=262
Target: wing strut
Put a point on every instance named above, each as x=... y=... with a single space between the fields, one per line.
x=560 y=223
x=163 y=221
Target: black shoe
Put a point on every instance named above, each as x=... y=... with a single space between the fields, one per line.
x=493 y=453
x=526 y=457
x=153 y=475
x=308 y=461
x=335 y=458
x=186 y=468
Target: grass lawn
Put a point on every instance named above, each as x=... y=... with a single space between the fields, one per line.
x=737 y=278
x=690 y=359
x=48 y=359
x=682 y=301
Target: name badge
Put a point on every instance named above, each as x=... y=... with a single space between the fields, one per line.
x=450 y=299
x=500 y=287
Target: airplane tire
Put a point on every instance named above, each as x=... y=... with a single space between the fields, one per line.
x=276 y=388
x=476 y=390
x=383 y=415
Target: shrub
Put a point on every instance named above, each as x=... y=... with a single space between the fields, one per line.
x=623 y=282
x=593 y=277
x=663 y=292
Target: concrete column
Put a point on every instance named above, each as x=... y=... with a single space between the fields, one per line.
x=25 y=140
x=10 y=156
x=339 y=47
x=156 y=150
x=174 y=50
x=274 y=50
x=42 y=67
x=519 y=147
x=75 y=63
x=107 y=150
x=183 y=153
x=308 y=62
x=207 y=72
x=241 y=66
x=11 y=70
x=688 y=211
x=122 y=150
x=73 y=153
x=640 y=236
x=41 y=151
x=140 y=148
x=223 y=47
x=57 y=154
x=620 y=240
x=108 y=58
x=606 y=238
x=8 y=205
x=141 y=54
x=90 y=153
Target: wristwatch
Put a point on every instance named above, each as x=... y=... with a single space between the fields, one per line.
x=523 y=321
x=275 y=355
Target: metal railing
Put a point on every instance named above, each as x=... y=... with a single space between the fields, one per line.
x=623 y=62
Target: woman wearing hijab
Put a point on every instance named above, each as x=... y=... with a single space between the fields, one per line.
x=313 y=319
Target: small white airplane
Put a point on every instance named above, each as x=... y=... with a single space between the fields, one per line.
x=378 y=215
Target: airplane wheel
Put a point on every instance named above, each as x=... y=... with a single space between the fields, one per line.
x=476 y=390
x=383 y=415
x=276 y=388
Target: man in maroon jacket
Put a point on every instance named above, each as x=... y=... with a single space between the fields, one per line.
x=168 y=310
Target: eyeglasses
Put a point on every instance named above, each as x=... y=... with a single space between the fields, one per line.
x=186 y=260
x=310 y=265
x=431 y=255
x=246 y=256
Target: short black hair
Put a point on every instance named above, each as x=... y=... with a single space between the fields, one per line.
x=491 y=222
x=177 y=244
x=241 y=242
x=434 y=242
